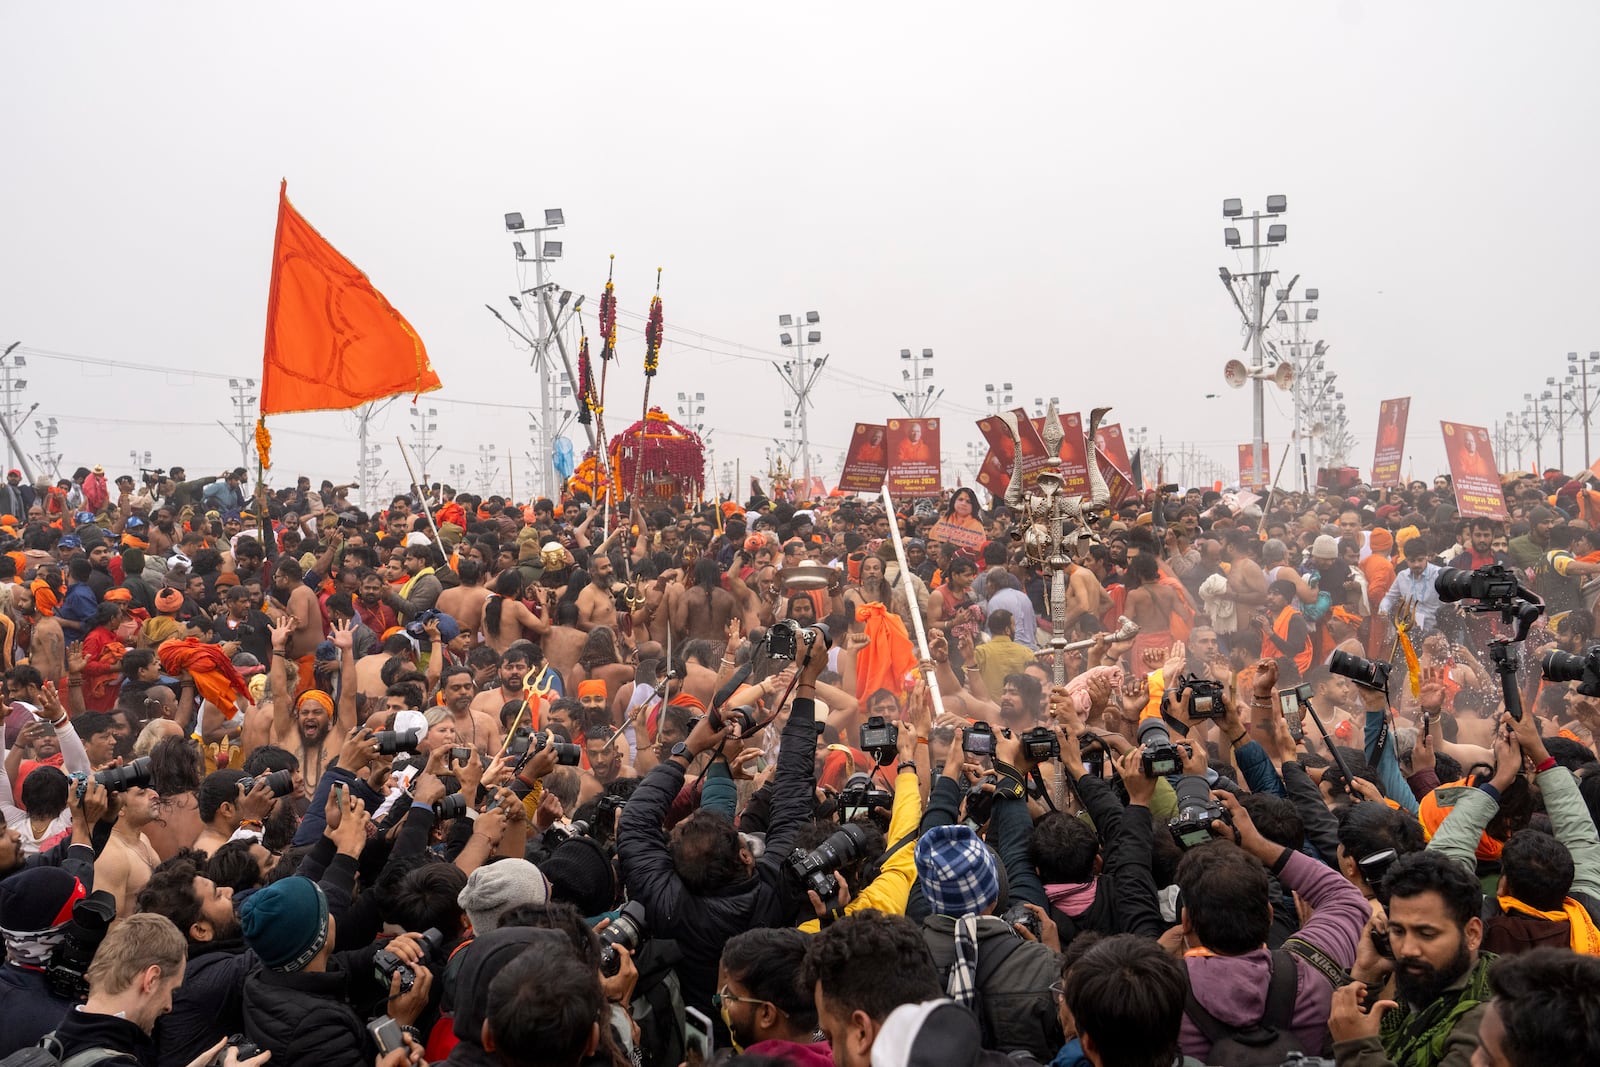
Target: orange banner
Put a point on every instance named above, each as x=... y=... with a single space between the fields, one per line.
x=867 y=461
x=333 y=341
x=913 y=457
x=1387 y=457
x=1247 y=463
x=1473 y=470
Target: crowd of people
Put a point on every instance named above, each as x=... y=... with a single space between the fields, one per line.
x=471 y=781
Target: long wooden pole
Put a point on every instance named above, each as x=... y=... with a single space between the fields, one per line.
x=416 y=487
x=930 y=673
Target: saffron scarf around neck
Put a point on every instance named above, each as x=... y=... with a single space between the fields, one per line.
x=1585 y=935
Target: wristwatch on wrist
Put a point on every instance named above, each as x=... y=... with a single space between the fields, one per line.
x=682 y=749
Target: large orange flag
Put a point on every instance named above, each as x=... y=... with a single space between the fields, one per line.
x=333 y=341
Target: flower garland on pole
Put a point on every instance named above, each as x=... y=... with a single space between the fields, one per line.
x=608 y=352
x=654 y=327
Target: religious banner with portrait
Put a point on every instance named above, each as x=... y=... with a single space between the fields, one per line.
x=913 y=446
x=867 y=461
x=1387 y=455
x=1473 y=470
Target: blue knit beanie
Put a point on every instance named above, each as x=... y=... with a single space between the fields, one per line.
x=957 y=871
x=286 y=923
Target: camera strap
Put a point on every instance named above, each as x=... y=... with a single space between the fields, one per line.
x=876 y=867
x=1318 y=959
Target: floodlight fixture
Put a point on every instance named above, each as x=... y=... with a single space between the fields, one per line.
x=1312 y=294
x=522 y=253
x=1311 y=314
x=785 y=320
x=785 y=339
x=1277 y=205
x=1277 y=233
x=813 y=336
x=812 y=318
x=1232 y=208
x=552 y=250
x=513 y=221
x=905 y=353
x=553 y=217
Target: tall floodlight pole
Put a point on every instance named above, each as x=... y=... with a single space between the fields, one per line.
x=1250 y=297
x=544 y=251
x=799 y=376
x=920 y=394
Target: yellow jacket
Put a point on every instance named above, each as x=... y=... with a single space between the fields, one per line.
x=888 y=891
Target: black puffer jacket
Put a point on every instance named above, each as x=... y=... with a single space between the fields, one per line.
x=768 y=897
x=209 y=1005
x=308 y=1018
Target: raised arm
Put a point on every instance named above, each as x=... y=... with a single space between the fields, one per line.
x=343 y=638
x=282 y=699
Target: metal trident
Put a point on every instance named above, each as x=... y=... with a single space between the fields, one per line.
x=1051 y=524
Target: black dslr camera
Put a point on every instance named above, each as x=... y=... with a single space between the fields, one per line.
x=1196 y=812
x=1369 y=674
x=1204 y=697
x=880 y=739
x=1161 y=757
x=815 y=868
x=68 y=969
x=280 y=782
x=1040 y=745
x=784 y=639
x=567 y=753
x=978 y=739
x=630 y=930
x=1494 y=585
x=114 y=779
x=1559 y=666
x=386 y=964
x=860 y=797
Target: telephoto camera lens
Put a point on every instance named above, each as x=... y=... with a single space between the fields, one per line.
x=121 y=779
x=629 y=929
x=1366 y=673
x=281 y=783
x=394 y=742
x=1196 y=812
x=815 y=868
x=1453 y=585
x=1559 y=666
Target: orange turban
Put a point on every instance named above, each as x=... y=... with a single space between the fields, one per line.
x=591 y=687
x=318 y=696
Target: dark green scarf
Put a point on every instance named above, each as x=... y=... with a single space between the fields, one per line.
x=1417 y=1039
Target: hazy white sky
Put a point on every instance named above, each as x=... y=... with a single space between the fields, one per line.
x=1031 y=190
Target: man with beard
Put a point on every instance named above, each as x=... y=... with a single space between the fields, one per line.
x=1441 y=979
x=513 y=668
x=208 y=1003
x=306 y=725
x=124 y=867
x=377 y=616
x=304 y=616
x=597 y=605
x=163 y=533
x=242 y=624
x=476 y=728
x=767 y=1009
x=421 y=588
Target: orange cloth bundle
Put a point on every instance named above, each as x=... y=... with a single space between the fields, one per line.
x=215 y=677
x=888 y=655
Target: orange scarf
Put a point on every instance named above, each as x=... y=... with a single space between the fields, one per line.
x=45 y=598
x=888 y=654
x=1585 y=936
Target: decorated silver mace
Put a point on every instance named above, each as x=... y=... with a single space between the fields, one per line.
x=1049 y=523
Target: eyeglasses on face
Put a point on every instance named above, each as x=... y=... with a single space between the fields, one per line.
x=722 y=995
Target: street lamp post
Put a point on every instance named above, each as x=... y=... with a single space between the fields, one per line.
x=998 y=397
x=1251 y=299
x=1587 y=401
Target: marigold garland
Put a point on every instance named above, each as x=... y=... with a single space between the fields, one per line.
x=263 y=444
x=653 y=328
x=608 y=315
x=586 y=400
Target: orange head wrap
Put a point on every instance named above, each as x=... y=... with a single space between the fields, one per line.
x=317 y=696
x=591 y=687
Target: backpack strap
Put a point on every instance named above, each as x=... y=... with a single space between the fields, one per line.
x=876 y=867
x=1325 y=964
x=1279 y=1010
x=1281 y=991
x=91 y=1056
